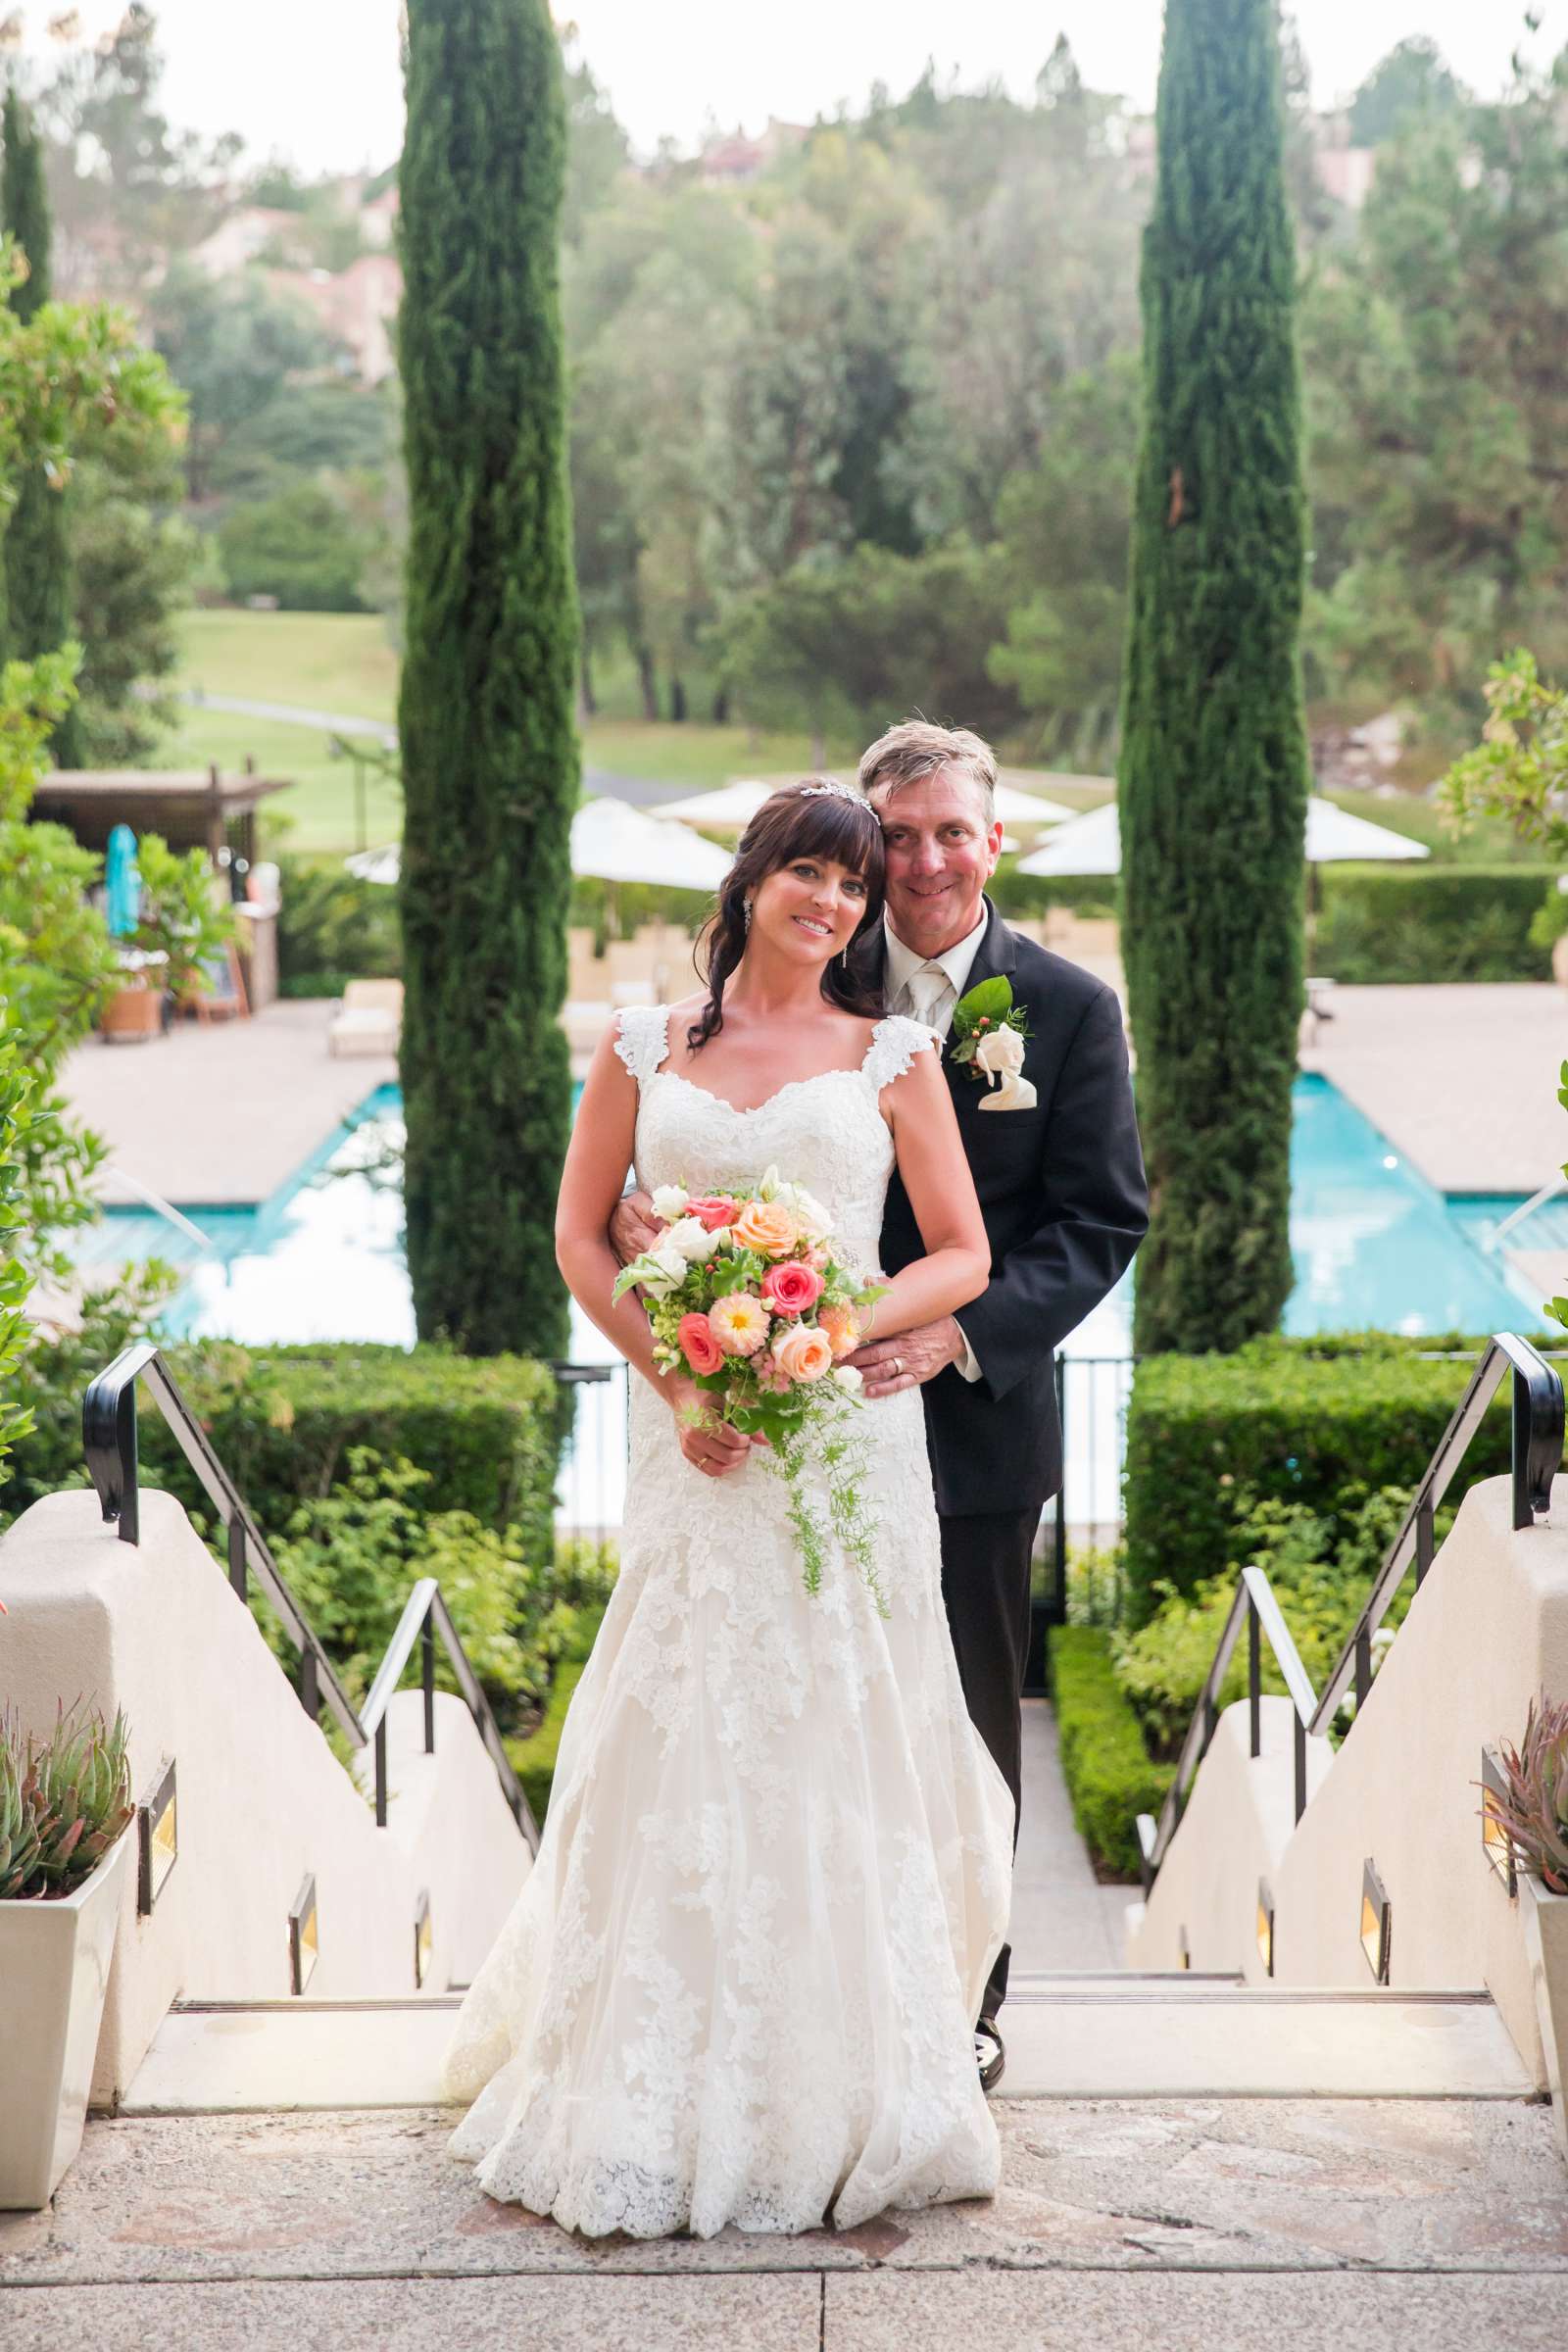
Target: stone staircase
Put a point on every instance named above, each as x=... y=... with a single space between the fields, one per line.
x=1116 y=2035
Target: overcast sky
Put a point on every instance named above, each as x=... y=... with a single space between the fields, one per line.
x=317 y=81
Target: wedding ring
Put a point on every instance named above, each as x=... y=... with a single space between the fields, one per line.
x=898 y=1366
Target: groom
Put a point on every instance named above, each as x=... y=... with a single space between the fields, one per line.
x=1058 y=1168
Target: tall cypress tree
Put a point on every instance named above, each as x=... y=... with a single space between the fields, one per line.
x=490 y=760
x=35 y=602
x=1213 y=770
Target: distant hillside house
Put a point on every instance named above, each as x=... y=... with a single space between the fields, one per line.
x=731 y=162
x=359 y=306
x=379 y=217
x=237 y=240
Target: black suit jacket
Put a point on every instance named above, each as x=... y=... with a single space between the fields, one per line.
x=1063 y=1193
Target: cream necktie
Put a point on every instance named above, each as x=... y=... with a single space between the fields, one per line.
x=925 y=988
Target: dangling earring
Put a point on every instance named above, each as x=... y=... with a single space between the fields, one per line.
x=747 y=905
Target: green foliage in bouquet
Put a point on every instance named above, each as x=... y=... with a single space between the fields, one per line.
x=64 y=1800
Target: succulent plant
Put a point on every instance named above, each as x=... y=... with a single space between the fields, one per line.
x=1535 y=1809
x=64 y=1800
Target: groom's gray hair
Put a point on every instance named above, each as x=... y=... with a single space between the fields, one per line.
x=915 y=751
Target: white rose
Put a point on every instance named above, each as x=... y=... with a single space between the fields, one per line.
x=667 y=1270
x=848 y=1379
x=999 y=1053
x=814 y=1221
x=1013 y=1094
x=691 y=1237
x=668 y=1201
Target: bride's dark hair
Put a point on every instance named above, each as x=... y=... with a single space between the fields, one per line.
x=809 y=819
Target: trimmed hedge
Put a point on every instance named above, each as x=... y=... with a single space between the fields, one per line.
x=1110 y=1776
x=333 y=927
x=487 y=1430
x=534 y=1759
x=1300 y=1420
x=1432 y=922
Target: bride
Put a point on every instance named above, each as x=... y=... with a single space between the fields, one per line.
x=740 y=1982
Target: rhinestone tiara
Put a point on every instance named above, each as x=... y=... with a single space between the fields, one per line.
x=830 y=787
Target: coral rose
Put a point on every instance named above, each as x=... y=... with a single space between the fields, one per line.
x=738 y=1322
x=792 y=1287
x=803 y=1354
x=767 y=1227
x=843 y=1331
x=714 y=1209
x=698 y=1345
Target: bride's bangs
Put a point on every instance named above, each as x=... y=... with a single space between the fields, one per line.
x=826 y=825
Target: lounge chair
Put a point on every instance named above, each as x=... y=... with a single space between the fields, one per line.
x=369 y=1019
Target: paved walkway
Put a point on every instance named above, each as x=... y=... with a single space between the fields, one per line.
x=221 y=1111
x=1248 y=2223
x=1062 y=1917
x=1462 y=1079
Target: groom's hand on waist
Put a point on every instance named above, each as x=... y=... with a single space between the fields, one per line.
x=633 y=1227
x=911 y=1359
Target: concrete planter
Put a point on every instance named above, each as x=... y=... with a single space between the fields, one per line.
x=1545 y=1919
x=54 y=1973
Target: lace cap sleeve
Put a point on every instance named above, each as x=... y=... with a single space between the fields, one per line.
x=895 y=1043
x=642 y=1038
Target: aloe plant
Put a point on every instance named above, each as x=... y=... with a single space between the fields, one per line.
x=1535 y=1809
x=64 y=1800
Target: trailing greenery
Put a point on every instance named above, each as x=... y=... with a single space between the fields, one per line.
x=1290 y=1421
x=1432 y=923
x=1110 y=1776
x=35 y=594
x=1213 y=768
x=485 y=713
x=533 y=1760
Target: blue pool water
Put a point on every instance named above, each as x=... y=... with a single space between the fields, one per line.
x=1374 y=1244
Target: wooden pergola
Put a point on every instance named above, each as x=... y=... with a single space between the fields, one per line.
x=191 y=808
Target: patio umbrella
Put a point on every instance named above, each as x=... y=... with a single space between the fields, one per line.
x=121 y=883
x=1091 y=843
x=732 y=808
x=610 y=842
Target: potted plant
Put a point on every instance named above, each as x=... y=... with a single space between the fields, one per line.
x=1534 y=1810
x=64 y=1811
x=183 y=918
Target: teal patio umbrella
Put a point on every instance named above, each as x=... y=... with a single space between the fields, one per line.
x=121 y=883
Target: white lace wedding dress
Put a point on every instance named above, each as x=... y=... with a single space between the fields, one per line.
x=740 y=1982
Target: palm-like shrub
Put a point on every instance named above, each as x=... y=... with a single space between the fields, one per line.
x=64 y=1800
x=1535 y=1809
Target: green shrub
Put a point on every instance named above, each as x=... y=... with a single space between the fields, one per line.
x=352 y=1558
x=1432 y=923
x=331 y=927
x=283 y=1420
x=1028 y=896
x=1109 y=1773
x=534 y=1759
x=1320 y=1580
x=1322 y=1424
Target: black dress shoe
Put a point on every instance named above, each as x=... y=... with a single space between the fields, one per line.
x=990 y=2055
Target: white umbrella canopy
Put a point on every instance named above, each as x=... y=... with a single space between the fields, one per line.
x=1091 y=843
x=610 y=842
x=731 y=809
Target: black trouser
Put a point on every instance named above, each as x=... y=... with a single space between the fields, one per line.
x=985 y=1583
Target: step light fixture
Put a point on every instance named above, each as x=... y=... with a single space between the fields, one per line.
x=157 y=1836
x=1183 y=1954
x=303 y=1936
x=423 y=1940
x=1496 y=1842
x=1266 y=1927
x=1376 y=1919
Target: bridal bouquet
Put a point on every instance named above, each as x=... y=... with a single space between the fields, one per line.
x=743 y=1292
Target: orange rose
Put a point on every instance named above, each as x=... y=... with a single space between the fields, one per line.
x=803 y=1354
x=842 y=1329
x=767 y=1227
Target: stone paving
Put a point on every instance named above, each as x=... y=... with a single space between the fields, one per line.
x=1239 y=2222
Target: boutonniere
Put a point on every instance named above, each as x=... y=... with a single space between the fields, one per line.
x=990 y=1030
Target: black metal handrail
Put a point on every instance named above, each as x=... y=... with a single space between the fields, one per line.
x=1537 y=1439
x=109 y=1438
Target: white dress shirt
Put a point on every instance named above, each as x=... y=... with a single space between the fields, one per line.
x=928 y=990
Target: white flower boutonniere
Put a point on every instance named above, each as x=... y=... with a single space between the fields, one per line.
x=991 y=1031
